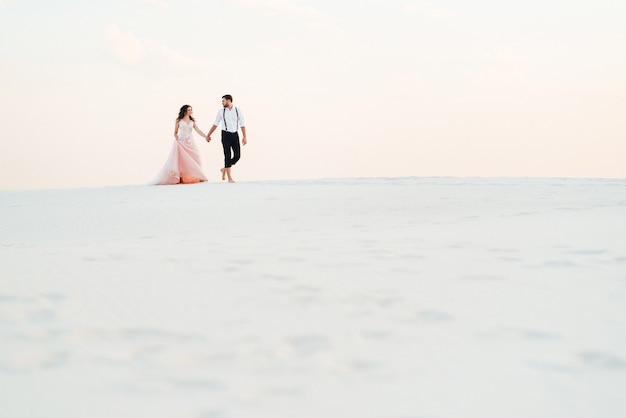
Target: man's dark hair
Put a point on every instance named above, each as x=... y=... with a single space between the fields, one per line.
x=227 y=97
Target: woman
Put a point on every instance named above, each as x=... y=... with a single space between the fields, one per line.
x=183 y=165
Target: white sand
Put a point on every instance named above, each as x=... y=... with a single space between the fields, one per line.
x=389 y=298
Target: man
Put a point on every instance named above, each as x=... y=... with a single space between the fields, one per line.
x=231 y=119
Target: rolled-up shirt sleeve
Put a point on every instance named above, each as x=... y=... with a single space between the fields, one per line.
x=242 y=121
x=218 y=118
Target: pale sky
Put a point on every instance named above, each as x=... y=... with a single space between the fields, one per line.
x=344 y=88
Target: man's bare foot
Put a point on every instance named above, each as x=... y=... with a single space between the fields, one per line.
x=231 y=181
x=223 y=170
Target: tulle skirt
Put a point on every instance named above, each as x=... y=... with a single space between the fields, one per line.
x=182 y=166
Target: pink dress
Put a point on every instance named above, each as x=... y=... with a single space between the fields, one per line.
x=183 y=165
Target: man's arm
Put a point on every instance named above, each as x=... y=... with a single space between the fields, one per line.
x=208 y=136
x=242 y=124
x=243 y=131
x=218 y=120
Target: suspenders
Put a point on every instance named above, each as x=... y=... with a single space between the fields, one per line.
x=224 y=118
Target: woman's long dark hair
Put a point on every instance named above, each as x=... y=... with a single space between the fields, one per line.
x=181 y=113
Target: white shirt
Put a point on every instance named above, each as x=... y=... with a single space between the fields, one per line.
x=231 y=122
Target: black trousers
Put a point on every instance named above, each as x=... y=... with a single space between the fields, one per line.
x=230 y=142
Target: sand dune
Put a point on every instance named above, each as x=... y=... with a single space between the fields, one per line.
x=399 y=297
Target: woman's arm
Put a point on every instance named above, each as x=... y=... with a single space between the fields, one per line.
x=198 y=130
x=176 y=130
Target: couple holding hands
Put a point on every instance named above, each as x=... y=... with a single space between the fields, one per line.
x=183 y=164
